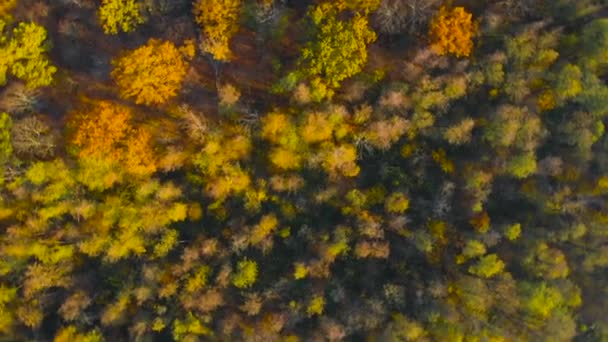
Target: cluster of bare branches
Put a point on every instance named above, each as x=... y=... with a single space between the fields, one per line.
x=18 y=99
x=403 y=16
x=32 y=137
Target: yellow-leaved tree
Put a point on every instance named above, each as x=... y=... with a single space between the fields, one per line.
x=338 y=51
x=452 y=32
x=116 y=15
x=219 y=22
x=23 y=54
x=152 y=73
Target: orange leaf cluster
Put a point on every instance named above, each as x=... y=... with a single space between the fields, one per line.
x=452 y=32
x=151 y=74
x=105 y=131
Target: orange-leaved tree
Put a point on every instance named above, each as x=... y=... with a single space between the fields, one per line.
x=104 y=131
x=152 y=73
x=219 y=21
x=452 y=31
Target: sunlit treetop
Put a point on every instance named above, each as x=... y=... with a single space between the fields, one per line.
x=151 y=74
x=338 y=51
x=119 y=15
x=70 y=333
x=104 y=131
x=24 y=55
x=219 y=22
x=6 y=6
x=452 y=31
x=246 y=274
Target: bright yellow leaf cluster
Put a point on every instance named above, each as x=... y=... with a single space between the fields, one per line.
x=265 y=227
x=219 y=161
x=316 y=306
x=339 y=50
x=318 y=139
x=452 y=31
x=152 y=73
x=219 y=21
x=23 y=54
x=246 y=274
x=119 y=14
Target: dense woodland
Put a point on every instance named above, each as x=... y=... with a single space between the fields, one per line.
x=327 y=170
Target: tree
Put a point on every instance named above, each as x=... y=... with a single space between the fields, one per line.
x=228 y=95
x=246 y=273
x=452 y=31
x=540 y=299
x=568 y=83
x=472 y=249
x=268 y=223
x=316 y=306
x=72 y=308
x=316 y=128
x=397 y=16
x=382 y=134
x=514 y=127
x=104 y=131
x=119 y=14
x=32 y=137
x=219 y=162
x=523 y=165
x=397 y=202
x=487 y=266
x=338 y=51
x=219 y=21
x=340 y=160
x=548 y=263
x=152 y=73
x=24 y=55
x=17 y=99
x=460 y=133
x=70 y=334
x=403 y=329
x=188 y=328
x=595 y=42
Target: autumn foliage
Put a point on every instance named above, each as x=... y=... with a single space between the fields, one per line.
x=105 y=130
x=123 y=15
x=219 y=22
x=338 y=181
x=152 y=73
x=339 y=50
x=452 y=32
x=23 y=54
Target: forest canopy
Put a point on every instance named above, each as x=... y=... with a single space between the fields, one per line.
x=328 y=170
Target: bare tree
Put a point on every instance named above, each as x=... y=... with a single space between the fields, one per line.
x=195 y=124
x=521 y=8
x=32 y=137
x=18 y=99
x=399 y=16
